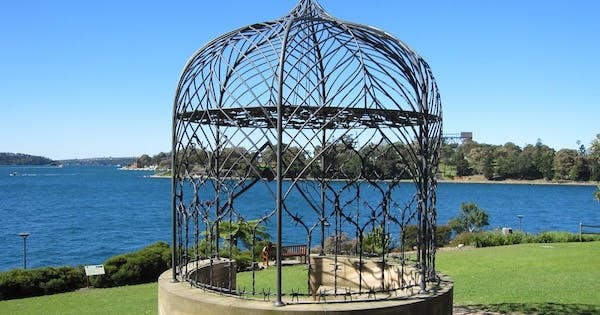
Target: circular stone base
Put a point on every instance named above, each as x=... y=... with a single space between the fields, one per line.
x=180 y=298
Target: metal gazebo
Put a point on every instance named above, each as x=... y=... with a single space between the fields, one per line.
x=299 y=126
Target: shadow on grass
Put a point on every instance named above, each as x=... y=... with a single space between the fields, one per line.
x=534 y=308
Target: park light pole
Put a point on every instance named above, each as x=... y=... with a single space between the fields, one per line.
x=24 y=236
x=520 y=216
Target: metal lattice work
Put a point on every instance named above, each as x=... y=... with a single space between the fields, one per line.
x=313 y=130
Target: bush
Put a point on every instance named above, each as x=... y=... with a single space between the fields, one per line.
x=496 y=238
x=345 y=245
x=556 y=237
x=443 y=234
x=20 y=283
x=471 y=218
x=243 y=258
x=138 y=267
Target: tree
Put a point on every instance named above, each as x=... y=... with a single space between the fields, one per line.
x=241 y=231
x=376 y=241
x=597 y=194
x=471 y=218
x=480 y=157
x=507 y=161
x=564 y=161
x=594 y=159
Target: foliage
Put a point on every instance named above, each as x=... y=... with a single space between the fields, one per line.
x=345 y=245
x=509 y=161
x=162 y=160
x=345 y=159
x=101 y=161
x=138 y=267
x=24 y=159
x=236 y=241
x=243 y=258
x=594 y=159
x=597 y=194
x=497 y=238
x=133 y=268
x=443 y=234
x=242 y=231
x=20 y=283
x=376 y=240
x=471 y=218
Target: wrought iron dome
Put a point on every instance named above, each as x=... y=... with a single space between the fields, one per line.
x=319 y=68
x=306 y=99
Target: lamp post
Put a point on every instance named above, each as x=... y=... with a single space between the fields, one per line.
x=520 y=216
x=24 y=236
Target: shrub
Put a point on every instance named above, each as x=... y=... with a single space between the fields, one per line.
x=556 y=237
x=345 y=245
x=138 y=267
x=465 y=238
x=375 y=241
x=20 y=283
x=471 y=218
x=443 y=234
x=496 y=238
x=243 y=258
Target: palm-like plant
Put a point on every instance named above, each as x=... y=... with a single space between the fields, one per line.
x=243 y=231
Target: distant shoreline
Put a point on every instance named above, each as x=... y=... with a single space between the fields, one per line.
x=478 y=179
x=482 y=180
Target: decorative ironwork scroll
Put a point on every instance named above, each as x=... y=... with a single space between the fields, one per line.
x=310 y=129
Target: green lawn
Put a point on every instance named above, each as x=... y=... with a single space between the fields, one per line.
x=130 y=300
x=294 y=278
x=532 y=278
x=558 y=278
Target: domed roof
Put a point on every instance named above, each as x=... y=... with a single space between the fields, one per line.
x=318 y=71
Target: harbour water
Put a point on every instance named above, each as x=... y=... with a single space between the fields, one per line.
x=82 y=215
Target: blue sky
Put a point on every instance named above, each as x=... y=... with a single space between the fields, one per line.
x=97 y=78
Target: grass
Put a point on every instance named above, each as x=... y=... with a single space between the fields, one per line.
x=130 y=300
x=558 y=278
x=294 y=278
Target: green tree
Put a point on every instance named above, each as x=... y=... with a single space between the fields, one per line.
x=462 y=165
x=580 y=170
x=470 y=219
x=241 y=231
x=597 y=194
x=480 y=157
x=594 y=159
x=507 y=161
x=564 y=161
x=543 y=157
x=376 y=241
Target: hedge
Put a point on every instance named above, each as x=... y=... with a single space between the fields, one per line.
x=496 y=238
x=19 y=283
x=138 y=267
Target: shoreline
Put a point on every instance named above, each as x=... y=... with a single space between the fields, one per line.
x=477 y=180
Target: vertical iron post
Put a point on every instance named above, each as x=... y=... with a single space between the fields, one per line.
x=24 y=236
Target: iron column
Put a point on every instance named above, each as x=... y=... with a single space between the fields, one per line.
x=24 y=236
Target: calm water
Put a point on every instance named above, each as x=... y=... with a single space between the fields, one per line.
x=83 y=215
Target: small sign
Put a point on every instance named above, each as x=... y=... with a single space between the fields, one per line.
x=94 y=270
